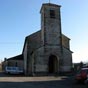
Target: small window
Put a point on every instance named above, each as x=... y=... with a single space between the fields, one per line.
x=52 y=13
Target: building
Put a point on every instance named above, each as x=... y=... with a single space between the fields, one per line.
x=47 y=51
x=16 y=61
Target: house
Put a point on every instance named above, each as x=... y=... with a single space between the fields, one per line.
x=16 y=61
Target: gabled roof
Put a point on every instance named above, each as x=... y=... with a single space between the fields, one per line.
x=34 y=40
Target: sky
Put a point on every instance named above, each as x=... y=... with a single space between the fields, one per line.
x=20 y=18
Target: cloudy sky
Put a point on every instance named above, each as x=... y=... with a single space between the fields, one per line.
x=19 y=18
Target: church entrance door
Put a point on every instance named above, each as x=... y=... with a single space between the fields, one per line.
x=53 y=64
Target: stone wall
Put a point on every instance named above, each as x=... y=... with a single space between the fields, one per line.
x=67 y=60
x=25 y=57
x=65 y=42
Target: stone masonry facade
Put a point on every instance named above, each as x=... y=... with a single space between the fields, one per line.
x=48 y=50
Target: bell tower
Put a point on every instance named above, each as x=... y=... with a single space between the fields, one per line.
x=51 y=24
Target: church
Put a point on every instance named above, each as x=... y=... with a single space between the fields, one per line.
x=47 y=51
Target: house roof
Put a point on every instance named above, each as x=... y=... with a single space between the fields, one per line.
x=18 y=57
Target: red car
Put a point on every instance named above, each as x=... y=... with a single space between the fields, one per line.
x=82 y=75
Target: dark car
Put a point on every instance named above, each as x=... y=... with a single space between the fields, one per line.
x=82 y=75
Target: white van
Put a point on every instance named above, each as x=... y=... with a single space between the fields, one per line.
x=13 y=70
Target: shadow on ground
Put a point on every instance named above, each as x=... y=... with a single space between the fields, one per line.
x=39 y=84
x=67 y=82
x=3 y=74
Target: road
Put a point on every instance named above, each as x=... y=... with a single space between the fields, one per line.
x=17 y=81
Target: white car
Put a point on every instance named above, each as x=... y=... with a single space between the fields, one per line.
x=13 y=70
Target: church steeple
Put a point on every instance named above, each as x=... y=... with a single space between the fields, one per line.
x=51 y=24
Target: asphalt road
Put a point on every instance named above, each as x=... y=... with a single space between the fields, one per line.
x=17 y=81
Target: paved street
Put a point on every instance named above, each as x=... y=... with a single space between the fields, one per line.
x=11 y=81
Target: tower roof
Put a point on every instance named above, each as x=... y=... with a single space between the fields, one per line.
x=49 y=4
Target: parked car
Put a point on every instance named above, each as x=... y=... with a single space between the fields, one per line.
x=82 y=75
x=13 y=70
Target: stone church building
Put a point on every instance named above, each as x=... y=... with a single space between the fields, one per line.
x=47 y=51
